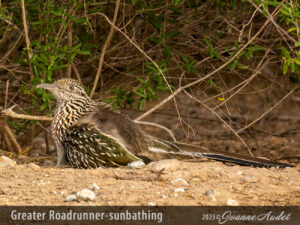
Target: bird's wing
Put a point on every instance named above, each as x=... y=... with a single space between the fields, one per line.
x=88 y=147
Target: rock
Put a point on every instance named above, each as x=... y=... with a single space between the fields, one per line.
x=211 y=194
x=239 y=172
x=249 y=178
x=71 y=198
x=176 y=190
x=86 y=195
x=151 y=204
x=180 y=182
x=7 y=162
x=166 y=165
x=232 y=202
x=95 y=187
x=136 y=164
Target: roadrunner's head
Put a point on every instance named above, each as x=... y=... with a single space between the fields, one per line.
x=65 y=89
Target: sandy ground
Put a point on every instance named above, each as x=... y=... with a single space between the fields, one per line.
x=180 y=183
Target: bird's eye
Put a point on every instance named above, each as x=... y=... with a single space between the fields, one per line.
x=71 y=87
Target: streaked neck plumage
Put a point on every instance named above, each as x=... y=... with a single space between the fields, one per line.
x=69 y=111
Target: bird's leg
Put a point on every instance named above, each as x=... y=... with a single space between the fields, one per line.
x=61 y=155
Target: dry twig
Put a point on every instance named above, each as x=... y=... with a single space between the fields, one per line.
x=10 y=113
x=27 y=40
x=269 y=110
x=106 y=44
x=221 y=119
x=157 y=125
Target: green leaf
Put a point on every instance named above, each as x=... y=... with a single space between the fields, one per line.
x=141 y=104
x=151 y=91
x=285 y=68
x=292 y=29
x=183 y=57
x=139 y=93
x=154 y=40
x=141 y=80
x=173 y=34
x=297 y=61
x=72 y=18
x=59 y=67
x=285 y=53
x=176 y=2
x=57 y=13
x=166 y=51
x=207 y=41
x=44 y=106
x=256 y=48
x=292 y=66
x=297 y=44
x=84 y=52
x=82 y=20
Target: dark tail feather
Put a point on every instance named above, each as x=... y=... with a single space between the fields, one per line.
x=194 y=151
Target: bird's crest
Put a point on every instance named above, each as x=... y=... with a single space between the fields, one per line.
x=68 y=81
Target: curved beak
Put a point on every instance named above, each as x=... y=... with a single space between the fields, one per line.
x=47 y=86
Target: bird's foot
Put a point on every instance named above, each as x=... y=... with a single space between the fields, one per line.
x=63 y=166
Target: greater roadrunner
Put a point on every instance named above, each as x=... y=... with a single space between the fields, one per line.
x=90 y=134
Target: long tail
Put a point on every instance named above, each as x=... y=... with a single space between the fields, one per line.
x=193 y=151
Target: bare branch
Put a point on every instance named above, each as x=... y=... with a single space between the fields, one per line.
x=106 y=44
x=157 y=125
x=10 y=113
x=221 y=119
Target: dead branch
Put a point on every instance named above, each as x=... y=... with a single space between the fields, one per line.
x=10 y=113
x=157 y=125
x=269 y=110
x=223 y=121
x=27 y=40
x=106 y=44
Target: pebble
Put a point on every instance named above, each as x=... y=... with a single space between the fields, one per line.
x=232 y=202
x=176 y=190
x=7 y=162
x=95 y=187
x=239 y=172
x=136 y=164
x=71 y=198
x=151 y=204
x=180 y=181
x=248 y=178
x=167 y=165
x=86 y=195
x=211 y=194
